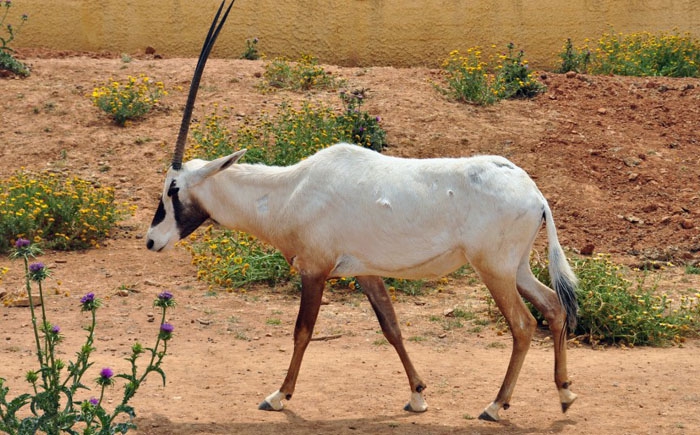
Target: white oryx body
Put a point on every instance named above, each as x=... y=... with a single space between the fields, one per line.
x=351 y=211
x=348 y=211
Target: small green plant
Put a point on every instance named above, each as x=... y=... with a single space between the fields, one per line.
x=636 y=54
x=55 y=406
x=130 y=100
x=302 y=75
x=692 y=269
x=573 y=59
x=233 y=259
x=514 y=78
x=362 y=128
x=63 y=213
x=613 y=310
x=467 y=78
x=470 y=79
x=7 y=35
x=251 y=49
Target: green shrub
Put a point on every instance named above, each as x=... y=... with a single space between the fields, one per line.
x=470 y=79
x=302 y=75
x=61 y=212
x=636 y=54
x=291 y=135
x=613 y=310
x=130 y=100
x=234 y=260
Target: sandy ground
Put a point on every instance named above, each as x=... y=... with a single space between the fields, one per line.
x=616 y=157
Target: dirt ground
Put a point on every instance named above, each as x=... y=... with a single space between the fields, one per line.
x=616 y=157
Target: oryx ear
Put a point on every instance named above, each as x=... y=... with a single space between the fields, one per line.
x=216 y=166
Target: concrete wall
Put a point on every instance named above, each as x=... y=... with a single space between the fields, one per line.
x=345 y=32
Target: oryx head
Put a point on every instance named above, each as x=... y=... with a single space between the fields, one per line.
x=180 y=212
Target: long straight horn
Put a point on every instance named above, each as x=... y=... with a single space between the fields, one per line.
x=214 y=30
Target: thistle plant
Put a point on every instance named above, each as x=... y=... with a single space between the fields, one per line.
x=55 y=404
x=362 y=128
x=130 y=100
x=7 y=35
x=251 y=49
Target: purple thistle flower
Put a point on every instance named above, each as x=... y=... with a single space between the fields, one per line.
x=105 y=378
x=55 y=329
x=22 y=243
x=106 y=373
x=38 y=272
x=36 y=267
x=90 y=297
x=93 y=401
x=164 y=300
x=167 y=328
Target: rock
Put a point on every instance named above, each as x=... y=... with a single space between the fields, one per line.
x=687 y=224
x=587 y=249
x=24 y=302
x=602 y=111
x=570 y=74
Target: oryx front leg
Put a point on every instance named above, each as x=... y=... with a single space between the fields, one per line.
x=373 y=287
x=311 y=292
x=522 y=325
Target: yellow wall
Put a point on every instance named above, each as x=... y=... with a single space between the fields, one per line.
x=345 y=32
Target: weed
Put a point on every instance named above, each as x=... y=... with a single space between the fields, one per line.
x=251 y=49
x=470 y=79
x=130 y=100
x=612 y=309
x=302 y=75
x=62 y=213
x=636 y=54
x=7 y=34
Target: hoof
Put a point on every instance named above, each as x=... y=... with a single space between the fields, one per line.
x=565 y=406
x=487 y=417
x=409 y=408
x=416 y=404
x=567 y=399
x=491 y=412
x=264 y=406
x=273 y=402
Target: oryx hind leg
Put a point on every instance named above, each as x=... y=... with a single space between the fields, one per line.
x=547 y=303
x=373 y=287
x=311 y=293
x=522 y=325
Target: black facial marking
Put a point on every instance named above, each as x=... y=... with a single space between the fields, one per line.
x=160 y=214
x=188 y=217
x=173 y=189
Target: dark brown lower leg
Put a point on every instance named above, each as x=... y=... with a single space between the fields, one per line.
x=373 y=287
x=311 y=293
